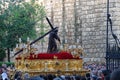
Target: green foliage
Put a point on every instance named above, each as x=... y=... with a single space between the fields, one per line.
x=20 y=23
x=40 y=12
x=7 y=63
x=18 y=20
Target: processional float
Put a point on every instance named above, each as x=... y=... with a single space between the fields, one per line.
x=45 y=63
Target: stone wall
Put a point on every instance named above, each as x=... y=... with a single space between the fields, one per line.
x=84 y=22
x=61 y=14
x=93 y=15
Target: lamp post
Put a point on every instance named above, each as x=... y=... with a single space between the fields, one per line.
x=107 y=34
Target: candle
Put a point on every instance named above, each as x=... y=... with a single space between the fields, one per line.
x=28 y=39
x=16 y=45
x=19 y=40
x=77 y=40
x=61 y=47
x=65 y=41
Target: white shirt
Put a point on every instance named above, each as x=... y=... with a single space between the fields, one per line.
x=4 y=75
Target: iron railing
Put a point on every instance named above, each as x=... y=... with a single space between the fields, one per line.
x=112 y=50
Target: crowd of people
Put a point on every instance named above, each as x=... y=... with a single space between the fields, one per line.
x=97 y=72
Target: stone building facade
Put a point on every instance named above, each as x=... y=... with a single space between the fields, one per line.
x=83 y=22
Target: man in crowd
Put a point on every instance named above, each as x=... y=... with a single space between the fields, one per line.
x=115 y=75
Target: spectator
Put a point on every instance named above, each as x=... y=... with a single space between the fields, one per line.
x=93 y=77
x=100 y=75
x=115 y=75
x=4 y=75
x=83 y=78
x=36 y=78
x=26 y=76
x=87 y=76
x=18 y=75
x=106 y=74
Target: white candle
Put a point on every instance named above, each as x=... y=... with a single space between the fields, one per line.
x=16 y=45
x=19 y=40
x=77 y=40
x=65 y=41
x=28 y=39
x=61 y=47
x=70 y=47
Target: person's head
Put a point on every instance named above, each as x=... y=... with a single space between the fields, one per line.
x=105 y=72
x=83 y=78
x=115 y=75
x=56 y=30
x=26 y=76
x=93 y=77
x=87 y=75
x=99 y=79
x=6 y=79
x=50 y=76
x=99 y=74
